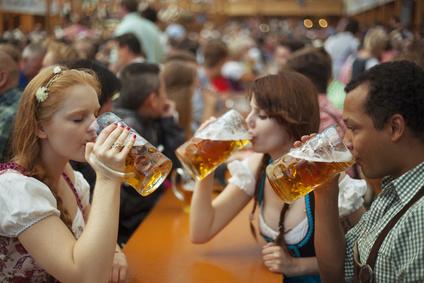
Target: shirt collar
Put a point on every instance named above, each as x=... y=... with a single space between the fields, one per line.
x=407 y=185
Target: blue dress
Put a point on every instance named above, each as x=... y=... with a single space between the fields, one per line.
x=304 y=248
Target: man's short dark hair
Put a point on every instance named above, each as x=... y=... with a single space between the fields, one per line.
x=292 y=44
x=352 y=26
x=138 y=80
x=315 y=64
x=394 y=88
x=150 y=14
x=130 y=5
x=131 y=41
x=109 y=83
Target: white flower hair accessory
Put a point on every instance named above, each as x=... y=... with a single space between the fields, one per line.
x=42 y=94
x=43 y=91
x=57 y=70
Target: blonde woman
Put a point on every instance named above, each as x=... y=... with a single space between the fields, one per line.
x=48 y=231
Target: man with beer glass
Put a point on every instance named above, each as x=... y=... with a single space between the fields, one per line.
x=284 y=107
x=383 y=113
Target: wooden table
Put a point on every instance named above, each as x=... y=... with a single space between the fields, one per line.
x=160 y=250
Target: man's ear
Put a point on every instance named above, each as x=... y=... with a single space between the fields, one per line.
x=4 y=76
x=151 y=100
x=397 y=127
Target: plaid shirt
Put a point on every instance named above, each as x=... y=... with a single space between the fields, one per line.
x=8 y=105
x=401 y=255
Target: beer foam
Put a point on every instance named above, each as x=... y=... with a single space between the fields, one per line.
x=228 y=127
x=335 y=156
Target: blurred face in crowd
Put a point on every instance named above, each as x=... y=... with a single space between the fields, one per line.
x=160 y=102
x=67 y=132
x=268 y=136
x=123 y=56
x=31 y=65
x=281 y=55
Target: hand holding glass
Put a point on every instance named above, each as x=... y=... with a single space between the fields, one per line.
x=145 y=167
x=302 y=169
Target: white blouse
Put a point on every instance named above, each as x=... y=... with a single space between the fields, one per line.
x=25 y=201
x=351 y=194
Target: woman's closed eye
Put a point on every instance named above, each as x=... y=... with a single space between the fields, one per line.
x=78 y=119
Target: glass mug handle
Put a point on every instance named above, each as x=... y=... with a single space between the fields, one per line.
x=112 y=172
x=177 y=180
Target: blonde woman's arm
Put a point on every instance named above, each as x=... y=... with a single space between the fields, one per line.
x=89 y=258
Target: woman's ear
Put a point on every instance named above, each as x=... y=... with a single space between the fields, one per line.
x=41 y=133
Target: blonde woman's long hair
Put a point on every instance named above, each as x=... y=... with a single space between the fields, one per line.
x=26 y=145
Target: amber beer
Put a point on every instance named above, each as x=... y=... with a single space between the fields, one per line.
x=303 y=169
x=145 y=167
x=200 y=157
x=183 y=191
x=187 y=192
x=213 y=144
x=292 y=178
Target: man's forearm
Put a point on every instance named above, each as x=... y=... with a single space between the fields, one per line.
x=329 y=237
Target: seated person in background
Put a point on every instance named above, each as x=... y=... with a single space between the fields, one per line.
x=181 y=80
x=282 y=53
x=49 y=232
x=383 y=113
x=283 y=108
x=144 y=106
x=315 y=64
x=128 y=50
x=215 y=54
x=31 y=62
x=375 y=42
x=58 y=53
x=9 y=101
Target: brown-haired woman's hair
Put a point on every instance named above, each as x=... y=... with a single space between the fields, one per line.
x=26 y=145
x=180 y=77
x=292 y=100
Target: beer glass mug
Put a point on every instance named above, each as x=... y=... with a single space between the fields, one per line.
x=183 y=187
x=304 y=168
x=145 y=167
x=213 y=144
